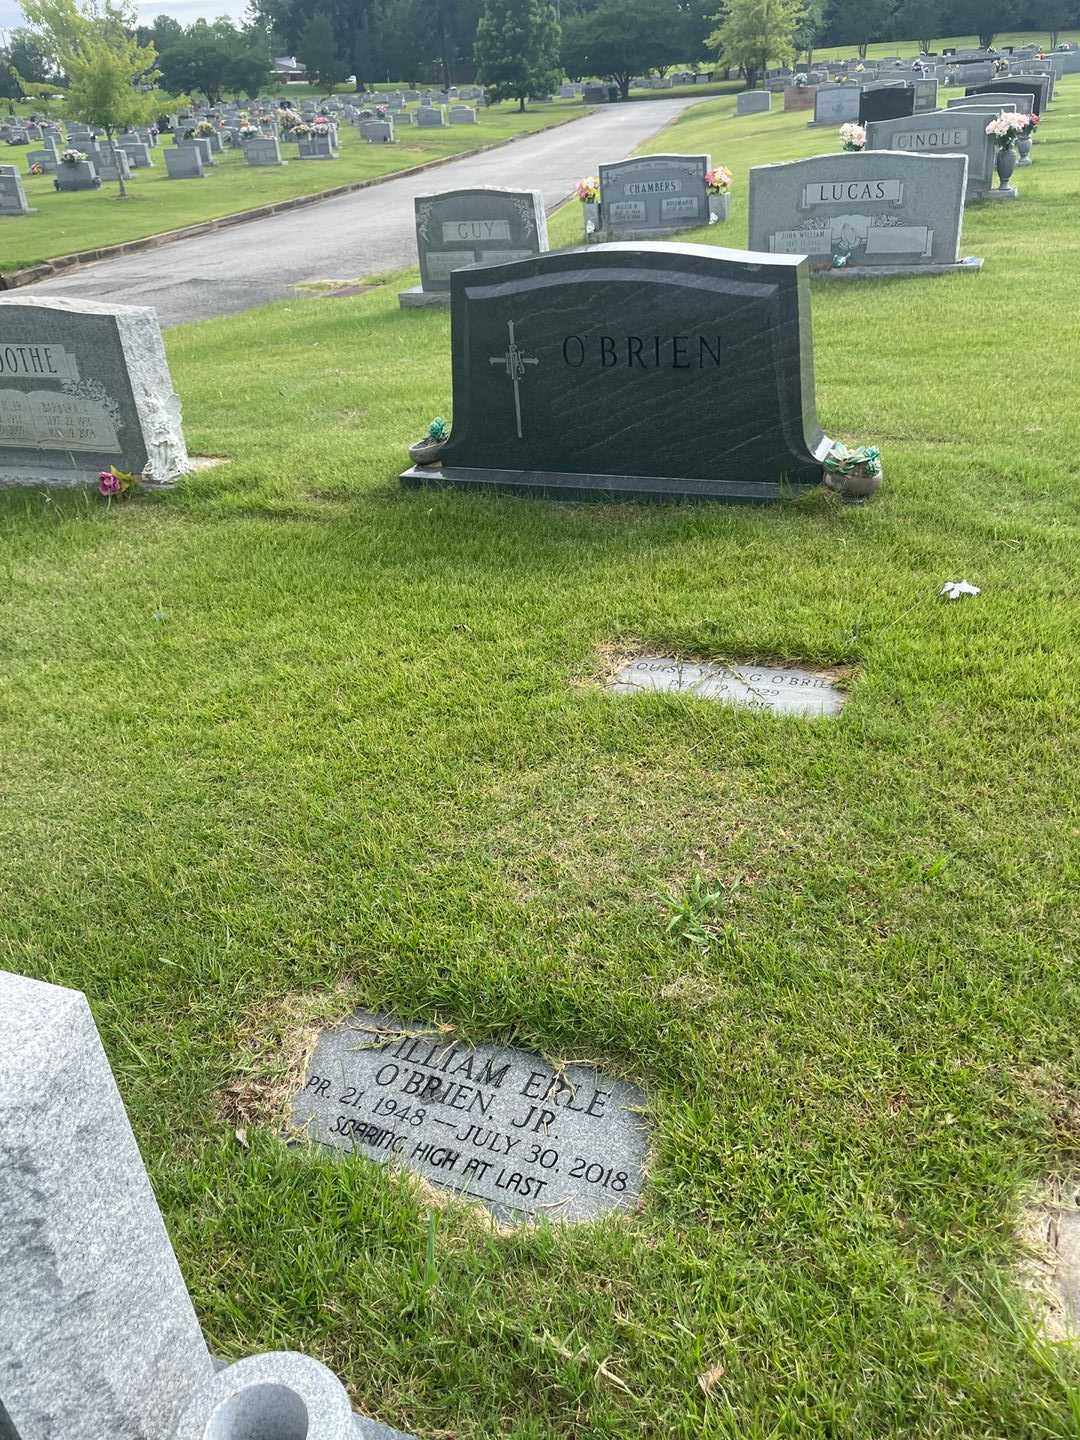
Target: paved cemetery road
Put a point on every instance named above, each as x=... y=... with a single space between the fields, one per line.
x=236 y=268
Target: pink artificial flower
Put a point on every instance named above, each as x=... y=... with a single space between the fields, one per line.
x=108 y=483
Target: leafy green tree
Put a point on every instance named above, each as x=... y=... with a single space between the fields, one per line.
x=809 y=29
x=753 y=33
x=197 y=64
x=624 y=38
x=517 y=49
x=318 y=51
x=860 y=22
x=1053 y=16
x=982 y=18
x=919 y=20
x=110 y=75
x=248 y=73
x=26 y=52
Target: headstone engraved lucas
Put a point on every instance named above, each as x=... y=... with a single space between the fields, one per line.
x=648 y=196
x=651 y=371
x=877 y=212
x=461 y=229
x=85 y=387
x=495 y=1124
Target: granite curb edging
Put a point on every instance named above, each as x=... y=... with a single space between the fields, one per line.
x=30 y=274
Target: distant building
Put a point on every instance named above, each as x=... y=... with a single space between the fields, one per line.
x=287 y=68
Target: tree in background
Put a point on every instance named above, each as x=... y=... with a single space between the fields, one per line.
x=921 y=20
x=754 y=32
x=318 y=51
x=517 y=49
x=1053 y=16
x=982 y=18
x=110 y=75
x=809 y=28
x=624 y=38
x=860 y=22
x=213 y=59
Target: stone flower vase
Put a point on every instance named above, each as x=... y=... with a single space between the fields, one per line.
x=592 y=219
x=1005 y=164
x=856 y=485
x=1023 y=146
x=426 y=451
x=718 y=208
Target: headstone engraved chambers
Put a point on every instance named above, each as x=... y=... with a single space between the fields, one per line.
x=493 y=1123
x=85 y=387
x=780 y=689
x=872 y=212
x=460 y=229
x=649 y=196
x=945 y=132
x=645 y=370
x=97 y=1334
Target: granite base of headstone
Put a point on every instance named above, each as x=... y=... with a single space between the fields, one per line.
x=646 y=371
x=85 y=387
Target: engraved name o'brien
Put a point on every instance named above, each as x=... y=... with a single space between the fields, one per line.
x=643 y=352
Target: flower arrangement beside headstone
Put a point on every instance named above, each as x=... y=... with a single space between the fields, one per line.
x=1024 y=141
x=853 y=474
x=1005 y=131
x=800 y=81
x=300 y=130
x=718 y=189
x=587 y=191
x=426 y=451
x=289 y=120
x=116 y=484
x=72 y=157
x=382 y=113
x=320 y=126
x=248 y=132
x=37 y=168
x=853 y=136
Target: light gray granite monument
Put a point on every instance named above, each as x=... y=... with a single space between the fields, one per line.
x=77 y=175
x=872 y=213
x=650 y=196
x=98 y=1337
x=753 y=102
x=461 y=229
x=12 y=195
x=85 y=387
x=184 y=162
x=836 y=105
x=944 y=132
x=494 y=1124
x=263 y=150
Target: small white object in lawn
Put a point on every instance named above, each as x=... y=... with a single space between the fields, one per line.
x=955 y=589
x=589 y=227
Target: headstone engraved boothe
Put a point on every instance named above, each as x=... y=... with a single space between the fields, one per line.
x=463 y=229
x=651 y=371
x=871 y=213
x=97 y=1333
x=85 y=387
x=494 y=1123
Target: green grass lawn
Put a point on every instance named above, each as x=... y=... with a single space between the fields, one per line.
x=89 y=219
x=291 y=739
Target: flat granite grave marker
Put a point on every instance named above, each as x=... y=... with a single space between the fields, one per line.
x=461 y=229
x=98 y=1337
x=781 y=689
x=493 y=1123
x=85 y=387
x=651 y=371
x=870 y=213
x=649 y=196
x=944 y=132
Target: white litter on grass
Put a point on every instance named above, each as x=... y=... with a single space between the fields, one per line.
x=955 y=589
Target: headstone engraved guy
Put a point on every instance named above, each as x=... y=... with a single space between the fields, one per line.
x=85 y=387
x=653 y=371
x=649 y=196
x=494 y=1123
x=461 y=229
x=874 y=212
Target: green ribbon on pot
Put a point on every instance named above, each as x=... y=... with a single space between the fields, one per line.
x=842 y=461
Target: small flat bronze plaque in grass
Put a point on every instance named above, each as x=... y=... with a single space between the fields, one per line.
x=782 y=689
x=496 y=1124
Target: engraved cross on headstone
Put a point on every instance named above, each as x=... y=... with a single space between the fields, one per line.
x=515 y=361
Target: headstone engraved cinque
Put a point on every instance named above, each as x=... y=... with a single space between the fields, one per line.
x=944 y=132
x=97 y=1333
x=85 y=387
x=650 y=371
x=493 y=1123
x=649 y=196
x=875 y=212
x=779 y=689
x=460 y=229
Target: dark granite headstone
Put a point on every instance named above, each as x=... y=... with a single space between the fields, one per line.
x=496 y=1124
x=890 y=102
x=647 y=370
x=1039 y=84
